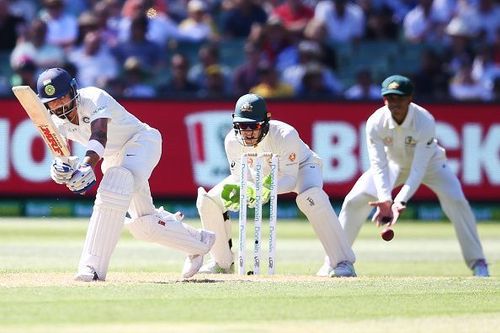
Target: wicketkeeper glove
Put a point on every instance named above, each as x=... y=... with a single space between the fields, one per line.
x=82 y=180
x=231 y=196
x=266 y=189
x=62 y=169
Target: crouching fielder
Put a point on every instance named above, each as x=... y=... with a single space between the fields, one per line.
x=130 y=150
x=403 y=150
x=299 y=172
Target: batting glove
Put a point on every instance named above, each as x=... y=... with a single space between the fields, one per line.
x=82 y=180
x=62 y=169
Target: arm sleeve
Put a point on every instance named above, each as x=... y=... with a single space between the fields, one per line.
x=378 y=162
x=424 y=149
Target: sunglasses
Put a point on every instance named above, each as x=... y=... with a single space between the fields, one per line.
x=249 y=126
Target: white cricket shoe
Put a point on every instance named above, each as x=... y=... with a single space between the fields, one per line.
x=343 y=269
x=326 y=269
x=193 y=263
x=480 y=268
x=86 y=274
x=213 y=268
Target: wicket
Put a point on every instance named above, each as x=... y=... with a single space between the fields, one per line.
x=257 y=160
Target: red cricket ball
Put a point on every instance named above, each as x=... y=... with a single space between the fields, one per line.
x=387 y=234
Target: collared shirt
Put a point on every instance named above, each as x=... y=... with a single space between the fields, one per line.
x=283 y=140
x=95 y=103
x=411 y=146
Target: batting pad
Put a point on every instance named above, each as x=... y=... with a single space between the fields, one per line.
x=316 y=206
x=168 y=232
x=106 y=222
x=212 y=220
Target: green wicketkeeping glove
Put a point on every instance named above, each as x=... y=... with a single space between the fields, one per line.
x=266 y=189
x=231 y=196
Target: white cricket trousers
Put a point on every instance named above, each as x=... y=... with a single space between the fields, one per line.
x=139 y=155
x=441 y=180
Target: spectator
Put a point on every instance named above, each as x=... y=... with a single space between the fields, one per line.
x=316 y=32
x=294 y=15
x=215 y=85
x=424 y=24
x=178 y=84
x=107 y=14
x=313 y=84
x=246 y=75
x=87 y=22
x=62 y=28
x=309 y=52
x=94 y=62
x=10 y=27
x=344 y=21
x=135 y=76
x=431 y=79
x=380 y=25
x=25 y=73
x=36 y=48
x=237 y=20
x=208 y=55
x=485 y=18
x=364 y=88
x=270 y=85
x=138 y=46
x=160 y=29
x=272 y=39
x=199 y=25
x=496 y=89
x=464 y=87
x=462 y=36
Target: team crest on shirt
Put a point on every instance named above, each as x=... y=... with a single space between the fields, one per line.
x=410 y=141
x=388 y=141
x=292 y=157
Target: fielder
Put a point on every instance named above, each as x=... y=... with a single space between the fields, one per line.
x=130 y=150
x=300 y=171
x=403 y=150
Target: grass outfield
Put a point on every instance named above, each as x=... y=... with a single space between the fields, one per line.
x=415 y=283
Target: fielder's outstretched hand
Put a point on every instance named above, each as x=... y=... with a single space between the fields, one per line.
x=397 y=208
x=62 y=169
x=383 y=214
x=82 y=180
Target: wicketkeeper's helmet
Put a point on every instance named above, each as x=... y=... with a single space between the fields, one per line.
x=251 y=109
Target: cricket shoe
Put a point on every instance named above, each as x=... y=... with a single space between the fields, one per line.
x=326 y=269
x=480 y=268
x=213 y=268
x=343 y=269
x=86 y=274
x=193 y=262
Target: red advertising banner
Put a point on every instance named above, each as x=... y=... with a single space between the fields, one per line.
x=193 y=150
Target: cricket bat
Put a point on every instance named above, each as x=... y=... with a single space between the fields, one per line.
x=42 y=121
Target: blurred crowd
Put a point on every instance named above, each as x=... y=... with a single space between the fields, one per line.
x=284 y=48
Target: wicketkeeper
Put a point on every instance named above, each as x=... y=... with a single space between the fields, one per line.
x=130 y=150
x=300 y=171
x=403 y=150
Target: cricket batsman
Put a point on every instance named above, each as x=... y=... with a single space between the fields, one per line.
x=300 y=171
x=403 y=150
x=130 y=150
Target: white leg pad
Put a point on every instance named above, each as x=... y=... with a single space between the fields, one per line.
x=212 y=220
x=168 y=232
x=111 y=204
x=315 y=205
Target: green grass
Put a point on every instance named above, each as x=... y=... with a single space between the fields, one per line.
x=416 y=283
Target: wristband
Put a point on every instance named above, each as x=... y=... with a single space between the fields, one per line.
x=96 y=147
